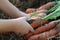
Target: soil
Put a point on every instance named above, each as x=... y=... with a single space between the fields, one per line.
x=24 y=4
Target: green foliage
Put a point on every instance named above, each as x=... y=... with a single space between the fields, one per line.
x=54 y=8
x=55 y=13
x=34 y=14
x=52 y=16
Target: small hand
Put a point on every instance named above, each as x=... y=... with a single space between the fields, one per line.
x=22 y=26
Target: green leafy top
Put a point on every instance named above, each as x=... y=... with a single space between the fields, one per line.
x=54 y=14
x=34 y=14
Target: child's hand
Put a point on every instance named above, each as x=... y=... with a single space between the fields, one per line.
x=22 y=26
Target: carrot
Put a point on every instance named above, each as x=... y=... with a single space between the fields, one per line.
x=46 y=6
x=39 y=15
x=37 y=22
x=30 y=10
x=42 y=11
x=42 y=29
x=45 y=27
x=45 y=35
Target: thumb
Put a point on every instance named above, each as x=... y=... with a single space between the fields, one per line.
x=22 y=18
x=28 y=16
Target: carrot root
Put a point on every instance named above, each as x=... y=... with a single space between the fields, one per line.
x=41 y=29
x=45 y=35
x=30 y=10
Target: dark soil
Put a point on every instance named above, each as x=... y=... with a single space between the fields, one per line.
x=24 y=4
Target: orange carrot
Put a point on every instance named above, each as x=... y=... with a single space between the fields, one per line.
x=42 y=29
x=30 y=10
x=37 y=22
x=45 y=27
x=46 y=6
x=42 y=11
x=45 y=35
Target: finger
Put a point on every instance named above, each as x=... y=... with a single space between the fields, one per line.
x=31 y=29
x=22 y=18
x=27 y=17
x=28 y=28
